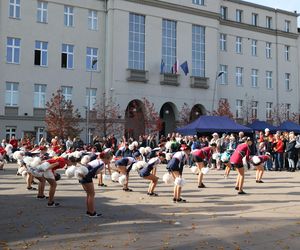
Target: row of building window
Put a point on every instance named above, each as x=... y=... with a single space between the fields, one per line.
x=254 y=45
x=39 y=95
x=136 y=50
x=13 y=52
x=42 y=14
x=239 y=17
x=39 y=100
x=250 y=109
x=239 y=77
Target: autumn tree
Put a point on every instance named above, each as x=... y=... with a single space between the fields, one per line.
x=184 y=115
x=152 y=121
x=223 y=109
x=281 y=113
x=61 y=118
x=108 y=115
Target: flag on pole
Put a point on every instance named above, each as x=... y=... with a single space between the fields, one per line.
x=185 y=67
x=162 y=66
x=175 y=67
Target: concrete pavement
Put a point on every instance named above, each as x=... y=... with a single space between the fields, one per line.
x=268 y=217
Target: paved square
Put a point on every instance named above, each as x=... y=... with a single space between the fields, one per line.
x=268 y=217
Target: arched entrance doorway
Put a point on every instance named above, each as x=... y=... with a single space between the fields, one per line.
x=196 y=111
x=134 y=119
x=167 y=114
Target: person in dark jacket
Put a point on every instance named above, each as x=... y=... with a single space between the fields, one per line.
x=292 y=152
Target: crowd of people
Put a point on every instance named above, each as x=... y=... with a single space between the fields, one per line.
x=109 y=159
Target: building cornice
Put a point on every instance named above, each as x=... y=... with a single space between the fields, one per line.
x=177 y=8
x=295 y=14
x=22 y=118
x=216 y=16
x=263 y=30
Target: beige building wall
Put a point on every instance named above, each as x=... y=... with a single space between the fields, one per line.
x=112 y=37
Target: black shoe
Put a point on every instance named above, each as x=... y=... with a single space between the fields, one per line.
x=174 y=200
x=102 y=185
x=201 y=186
x=41 y=197
x=241 y=192
x=260 y=181
x=292 y=170
x=53 y=204
x=236 y=188
x=31 y=188
x=153 y=194
x=181 y=200
x=127 y=189
x=94 y=215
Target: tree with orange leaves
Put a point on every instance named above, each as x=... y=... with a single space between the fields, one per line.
x=61 y=119
x=223 y=109
x=153 y=123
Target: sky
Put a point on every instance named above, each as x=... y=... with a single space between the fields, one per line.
x=290 y=5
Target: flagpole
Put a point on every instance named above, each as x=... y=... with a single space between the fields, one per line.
x=218 y=74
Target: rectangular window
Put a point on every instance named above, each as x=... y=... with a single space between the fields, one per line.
x=254 y=19
x=12 y=94
x=91 y=58
x=13 y=47
x=93 y=20
x=239 y=76
x=239 y=109
x=238 y=45
x=239 y=16
x=269 y=106
x=254 y=107
x=169 y=44
x=39 y=98
x=42 y=12
x=136 y=50
x=269 y=22
x=223 y=12
x=254 y=47
x=287 y=26
x=67 y=56
x=91 y=98
x=198 y=50
x=14 y=8
x=224 y=76
x=69 y=16
x=67 y=93
x=269 y=79
x=287 y=111
x=40 y=133
x=199 y=2
x=254 y=78
x=223 y=42
x=287 y=52
x=287 y=81
x=41 y=53
x=268 y=50
x=10 y=132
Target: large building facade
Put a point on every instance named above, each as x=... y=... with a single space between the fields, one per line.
x=130 y=49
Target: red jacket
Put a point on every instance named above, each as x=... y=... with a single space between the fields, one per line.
x=263 y=158
x=203 y=153
x=14 y=143
x=2 y=151
x=61 y=161
x=279 y=148
x=239 y=153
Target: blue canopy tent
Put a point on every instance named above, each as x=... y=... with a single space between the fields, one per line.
x=210 y=124
x=261 y=125
x=289 y=126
